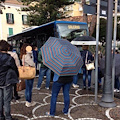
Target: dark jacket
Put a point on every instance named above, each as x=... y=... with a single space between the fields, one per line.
x=8 y=70
x=35 y=56
x=40 y=60
x=89 y=58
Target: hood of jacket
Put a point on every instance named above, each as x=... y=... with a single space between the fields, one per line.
x=3 y=58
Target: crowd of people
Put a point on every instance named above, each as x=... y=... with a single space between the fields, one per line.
x=9 y=63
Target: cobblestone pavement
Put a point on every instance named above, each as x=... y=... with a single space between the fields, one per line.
x=82 y=106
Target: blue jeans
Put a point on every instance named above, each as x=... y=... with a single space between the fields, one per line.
x=28 y=90
x=47 y=72
x=55 y=90
x=75 y=79
x=5 y=99
x=89 y=77
x=99 y=77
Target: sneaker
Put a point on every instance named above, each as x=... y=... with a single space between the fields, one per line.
x=84 y=87
x=16 y=97
x=29 y=104
x=115 y=90
x=89 y=88
x=64 y=113
x=37 y=76
x=48 y=114
x=47 y=88
x=75 y=86
x=38 y=88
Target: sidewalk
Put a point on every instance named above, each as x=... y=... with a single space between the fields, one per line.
x=82 y=106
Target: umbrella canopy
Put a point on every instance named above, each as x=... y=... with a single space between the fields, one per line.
x=117 y=65
x=84 y=40
x=61 y=56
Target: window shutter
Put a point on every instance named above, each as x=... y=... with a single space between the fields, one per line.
x=12 y=18
x=10 y=31
x=7 y=17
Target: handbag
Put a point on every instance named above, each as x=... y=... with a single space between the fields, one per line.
x=90 y=64
x=26 y=72
x=21 y=85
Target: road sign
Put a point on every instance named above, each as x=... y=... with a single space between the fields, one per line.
x=93 y=10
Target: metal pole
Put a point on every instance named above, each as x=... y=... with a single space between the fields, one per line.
x=107 y=98
x=96 y=55
x=114 y=45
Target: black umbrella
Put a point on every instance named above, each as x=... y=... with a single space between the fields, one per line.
x=84 y=40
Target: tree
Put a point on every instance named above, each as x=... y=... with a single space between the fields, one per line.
x=44 y=11
x=102 y=33
x=2 y=1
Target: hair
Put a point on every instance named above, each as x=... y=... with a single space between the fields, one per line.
x=85 y=47
x=4 y=45
x=23 y=50
x=10 y=47
x=34 y=47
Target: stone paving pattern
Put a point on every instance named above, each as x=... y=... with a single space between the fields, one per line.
x=82 y=106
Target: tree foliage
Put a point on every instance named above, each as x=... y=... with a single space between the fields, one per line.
x=2 y=1
x=45 y=11
x=102 y=32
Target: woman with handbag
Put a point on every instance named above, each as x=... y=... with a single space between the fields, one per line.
x=87 y=56
x=8 y=77
x=27 y=60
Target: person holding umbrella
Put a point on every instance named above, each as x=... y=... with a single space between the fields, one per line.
x=64 y=60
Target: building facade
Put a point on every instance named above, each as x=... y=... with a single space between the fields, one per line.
x=12 y=19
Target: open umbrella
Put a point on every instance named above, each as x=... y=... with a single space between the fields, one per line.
x=84 y=40
x=61 y=56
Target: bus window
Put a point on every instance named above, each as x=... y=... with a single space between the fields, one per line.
x=70 y=32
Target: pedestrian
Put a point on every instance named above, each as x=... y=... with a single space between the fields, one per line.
x=59 y=82
x=117 y=83
x=35 y=57
x=27 y=60
x=100 y=75
x=86 y=73
x=8 y=76
x=44 y=70
x=15 y=56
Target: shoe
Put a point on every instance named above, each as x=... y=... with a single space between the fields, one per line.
x=47 y=88
x=38 y=88
x=37 y=76
x=17 y=97
x=84 y=87
x=64 y=113
x=89 y=88
x=48 y=114
x=30 y=104
x=115 y=90
x=75 y=86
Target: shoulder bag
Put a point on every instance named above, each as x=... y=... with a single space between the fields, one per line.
x=90 y=64
x=26 y=72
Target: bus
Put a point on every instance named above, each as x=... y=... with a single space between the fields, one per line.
x=37 y=36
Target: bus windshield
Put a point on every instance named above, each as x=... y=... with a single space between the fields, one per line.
x=69 y=31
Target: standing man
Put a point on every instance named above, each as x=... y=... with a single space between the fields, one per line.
x=44 y=70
